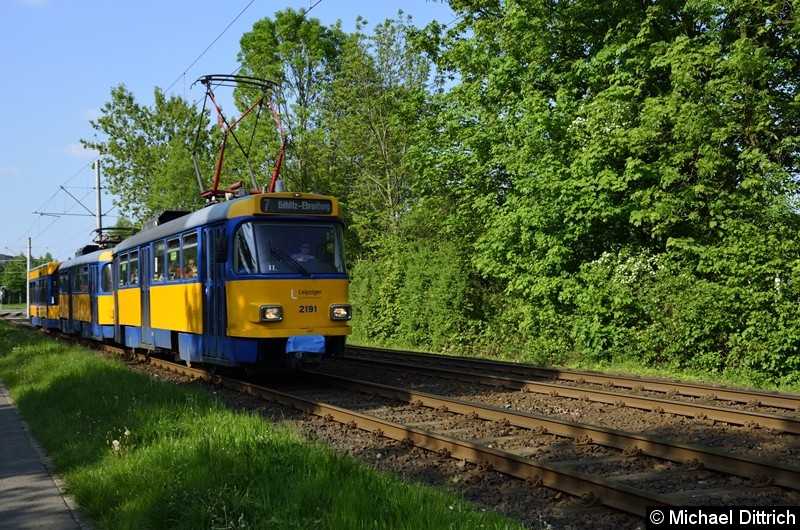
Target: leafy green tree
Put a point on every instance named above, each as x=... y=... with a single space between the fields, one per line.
x=371 y=112
x=301 y=56
x=14 y=276
x=662 y=134
x=146 y=152
x=413 y=281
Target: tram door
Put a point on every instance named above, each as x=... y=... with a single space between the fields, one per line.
x=94 y=286
x=214 y=321
x=117 y=320
x=66 y=325
x=145 y=277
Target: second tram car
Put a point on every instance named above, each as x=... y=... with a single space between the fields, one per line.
x=86 y=294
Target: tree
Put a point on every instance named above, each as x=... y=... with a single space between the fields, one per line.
x=412 y=278
x=371 y=112
x=660 y=134
x=146 y=153
x=14 y=276
x=301 y=56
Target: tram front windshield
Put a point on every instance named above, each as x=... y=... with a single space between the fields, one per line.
x=269 y=247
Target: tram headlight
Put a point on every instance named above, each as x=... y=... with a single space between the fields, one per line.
x=271 y=313
x=340 y=312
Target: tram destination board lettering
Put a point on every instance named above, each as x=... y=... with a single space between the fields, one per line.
x=297 y=206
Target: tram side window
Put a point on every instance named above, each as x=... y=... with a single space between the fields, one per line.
x=133 y=264
x=84 y=276
x=189 y=255
x=158 y=261
x=106 y=278
x=76 y=280
x=174 y=258
x=122 y=269
x=63 y=280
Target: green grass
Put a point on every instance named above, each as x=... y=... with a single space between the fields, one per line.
x=137 y=453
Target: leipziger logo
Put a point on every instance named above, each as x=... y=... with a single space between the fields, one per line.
x=306 y=293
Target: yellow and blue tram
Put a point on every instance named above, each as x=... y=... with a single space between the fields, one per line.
x=257 y=282
x=43 y=285
x=86 y=295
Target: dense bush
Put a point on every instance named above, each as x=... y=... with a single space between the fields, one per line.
x=415 y=295
x=625 y=307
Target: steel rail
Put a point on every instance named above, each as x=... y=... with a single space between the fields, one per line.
x=768 y=399
x=610 y=493
x=778 y=422
x=607 y=492
x=783 y=474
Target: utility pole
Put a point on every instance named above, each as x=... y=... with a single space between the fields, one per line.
x=97 y=186
x=28 y=285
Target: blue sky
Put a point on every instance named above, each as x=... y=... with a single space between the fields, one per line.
x=60 y=60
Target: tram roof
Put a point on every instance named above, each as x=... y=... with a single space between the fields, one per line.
x=104 y=254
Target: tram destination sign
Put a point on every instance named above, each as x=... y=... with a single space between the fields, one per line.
x=297 y=206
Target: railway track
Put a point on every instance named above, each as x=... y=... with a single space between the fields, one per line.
x=620 y=470
x=558 y=377
x=748 y=431
x=777 y=412
x=515 y=438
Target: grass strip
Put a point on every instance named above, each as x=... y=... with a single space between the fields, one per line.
x=136 y=453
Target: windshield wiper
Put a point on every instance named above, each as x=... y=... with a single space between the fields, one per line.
x=283 y=257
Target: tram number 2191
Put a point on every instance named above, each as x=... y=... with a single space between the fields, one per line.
x=308 y=309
